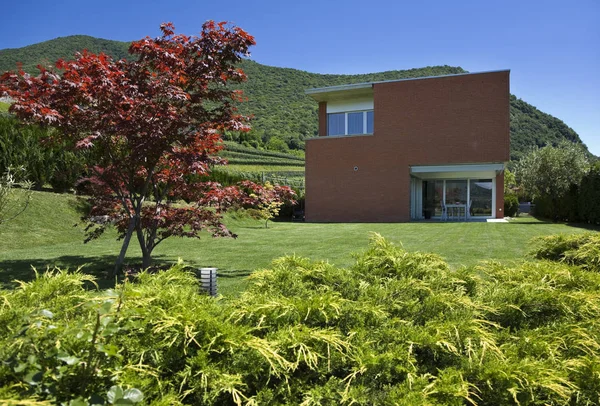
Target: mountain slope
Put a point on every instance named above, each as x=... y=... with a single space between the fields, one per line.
x=283 y=115
x=48 y=52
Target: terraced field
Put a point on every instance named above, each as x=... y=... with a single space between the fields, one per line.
x=254 y=164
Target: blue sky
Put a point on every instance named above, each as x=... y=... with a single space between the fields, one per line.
x=552 y=47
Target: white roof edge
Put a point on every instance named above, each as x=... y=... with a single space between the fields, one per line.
x=496 y=166
x=339 y=88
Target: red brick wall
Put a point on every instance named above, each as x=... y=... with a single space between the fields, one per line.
x=448 y=120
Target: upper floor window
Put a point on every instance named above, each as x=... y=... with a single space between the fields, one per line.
x=350 y=123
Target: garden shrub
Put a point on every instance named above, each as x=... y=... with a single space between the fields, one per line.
x=575 y=249
x=564 y=208
x=588 y=200
x=397 y=327
x=511 y=205
x=580 y=204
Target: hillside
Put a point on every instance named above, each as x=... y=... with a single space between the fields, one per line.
x=48 y=52
x=284 y=115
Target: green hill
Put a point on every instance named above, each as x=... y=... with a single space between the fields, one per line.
x=284 y=115
x=48 y=52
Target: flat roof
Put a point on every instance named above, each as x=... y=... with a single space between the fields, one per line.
x=366 y=87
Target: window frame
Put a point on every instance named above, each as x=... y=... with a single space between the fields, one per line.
x=346 y=113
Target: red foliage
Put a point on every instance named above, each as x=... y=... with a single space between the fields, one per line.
x=255 y=195
x=152 y=124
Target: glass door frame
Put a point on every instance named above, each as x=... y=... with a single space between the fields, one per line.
x=468 y=180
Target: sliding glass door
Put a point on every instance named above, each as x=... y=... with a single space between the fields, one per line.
x=481 y=197
x=456 y=192
x=473 y=196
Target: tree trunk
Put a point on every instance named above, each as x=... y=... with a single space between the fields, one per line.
x=146 y=259
x=146 y=247
x=121 y=258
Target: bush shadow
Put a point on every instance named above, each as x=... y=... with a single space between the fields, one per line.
x=81 y=205
x=99 y=267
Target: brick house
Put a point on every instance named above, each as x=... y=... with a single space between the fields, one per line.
x=410 y=149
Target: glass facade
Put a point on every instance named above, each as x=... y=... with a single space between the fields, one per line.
x=481 y=197
x=459 y=196
x=456 y=192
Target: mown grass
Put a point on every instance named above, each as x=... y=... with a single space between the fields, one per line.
x=4 y=107
x=45 y=236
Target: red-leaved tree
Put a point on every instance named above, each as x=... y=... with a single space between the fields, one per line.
x=152 y=126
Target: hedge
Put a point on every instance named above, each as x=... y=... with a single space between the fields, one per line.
x=397 y=327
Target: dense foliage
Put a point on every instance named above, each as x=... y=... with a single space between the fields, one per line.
x=284 y=115
x=48 y=52
x=44 y=161
x=511 y=205
x=152 y=124
x=530 y=127
x=48 y=162
x=580 y=204
x=588 y=196
x=548 y=174
x=576 y=249
x=395 y=328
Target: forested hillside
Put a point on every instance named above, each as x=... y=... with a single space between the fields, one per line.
x=283 y=115
x=48 y=52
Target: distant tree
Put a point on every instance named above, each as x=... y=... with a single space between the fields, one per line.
x=15 y=194
x=550 y=172
x=277 y=144
x=266 y=200
x=152 y=124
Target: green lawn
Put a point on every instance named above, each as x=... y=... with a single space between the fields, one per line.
x=4 y=107
x=45 y=236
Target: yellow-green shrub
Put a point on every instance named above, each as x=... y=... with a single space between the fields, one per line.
x=395 y=328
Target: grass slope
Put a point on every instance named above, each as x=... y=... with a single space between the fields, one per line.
x=276 y=95
x=45 y=236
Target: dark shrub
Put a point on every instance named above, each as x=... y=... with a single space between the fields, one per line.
x=588 y=200
x=511 y=205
